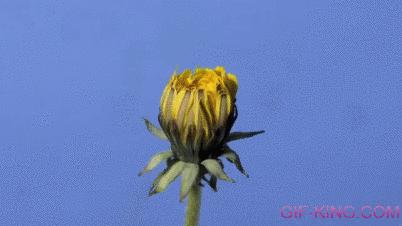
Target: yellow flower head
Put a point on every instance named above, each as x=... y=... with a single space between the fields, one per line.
x=197 y=111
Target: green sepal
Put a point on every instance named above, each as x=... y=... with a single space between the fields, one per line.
x=155 y=160
x=215 y=168
x=242 y=135
x=156 y=181
x=155 y=130
x=171 y=174
x=212 y=183
x=169 y=163
x=234 y=158
x=189 y=176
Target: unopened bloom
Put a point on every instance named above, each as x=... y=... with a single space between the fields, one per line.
x=197 y=112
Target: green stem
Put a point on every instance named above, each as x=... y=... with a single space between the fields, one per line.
x=193 y=206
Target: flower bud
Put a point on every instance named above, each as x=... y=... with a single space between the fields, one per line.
x=197 y=111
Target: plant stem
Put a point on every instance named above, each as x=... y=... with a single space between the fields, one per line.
x=193 y=206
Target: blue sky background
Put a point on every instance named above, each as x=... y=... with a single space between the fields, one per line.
x=323 y=78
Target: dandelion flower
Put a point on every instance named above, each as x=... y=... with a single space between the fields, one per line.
x=197 y=112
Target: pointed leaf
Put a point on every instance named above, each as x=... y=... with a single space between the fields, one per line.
x=215 y=169
x=155 y=130
x=242 y=135
x=155 y=160
x=234 y=158
x=169 y=177
x=189 y=176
